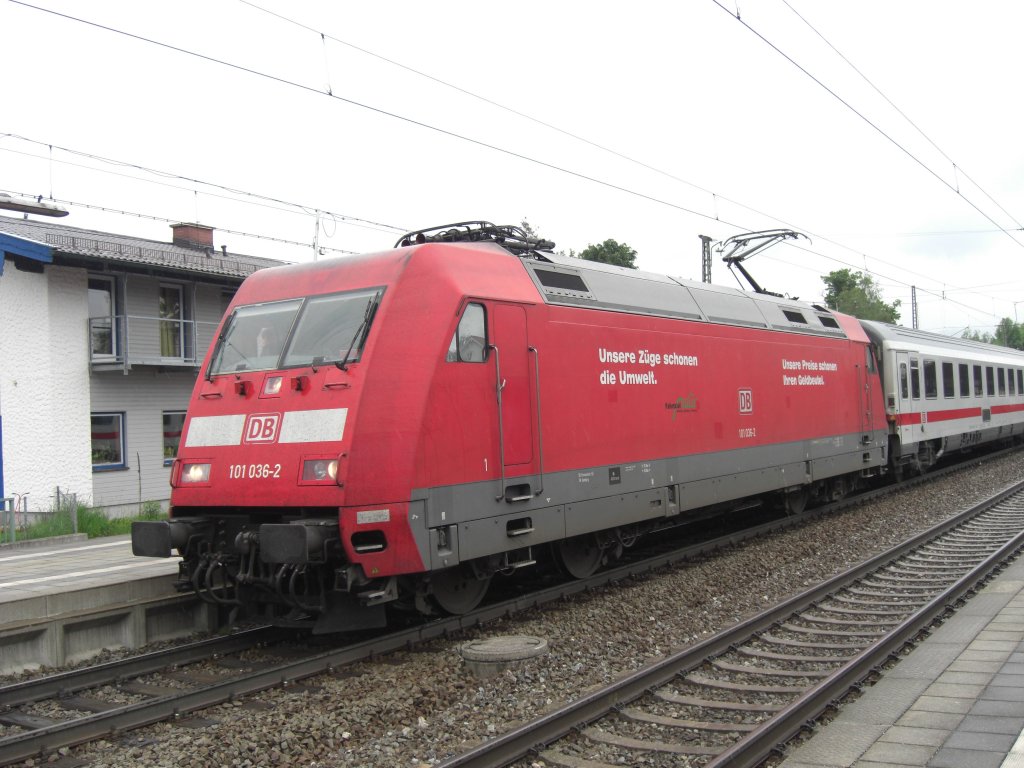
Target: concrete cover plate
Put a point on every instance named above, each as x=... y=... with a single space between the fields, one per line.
x=506 y=648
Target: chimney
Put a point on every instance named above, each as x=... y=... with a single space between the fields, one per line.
x=195 y=236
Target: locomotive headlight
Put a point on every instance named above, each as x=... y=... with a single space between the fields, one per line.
x=272 y=386
x=195 y=473
x=320 y=470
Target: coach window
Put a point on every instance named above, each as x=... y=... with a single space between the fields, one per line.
x=1010 y=382
x=965 y=380
x=977 y=381
x=990 y=381
x=948 y=384
x=174 y=422
x=107 y=441
x=904 y=389
x=915 y=379
x=1001 y=375
x=1020 y=381
x=931 y=386
x=469 y=344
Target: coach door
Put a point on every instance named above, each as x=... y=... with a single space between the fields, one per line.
x=514 y=385
x=908 y=394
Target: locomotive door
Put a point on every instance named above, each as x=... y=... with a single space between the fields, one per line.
x=515 y=401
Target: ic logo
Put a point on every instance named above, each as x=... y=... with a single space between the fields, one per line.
x=261 y=427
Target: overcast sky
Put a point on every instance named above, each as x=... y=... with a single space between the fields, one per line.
x=651 y=123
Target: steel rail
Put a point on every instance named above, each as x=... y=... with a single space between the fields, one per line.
x=750 y=751
x=48 y=739
x=64 y=683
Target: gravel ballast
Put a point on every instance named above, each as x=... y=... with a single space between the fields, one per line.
x=415 y=708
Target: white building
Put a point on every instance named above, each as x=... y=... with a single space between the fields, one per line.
x=101 y=340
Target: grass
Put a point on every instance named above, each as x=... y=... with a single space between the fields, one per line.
x=91 y=522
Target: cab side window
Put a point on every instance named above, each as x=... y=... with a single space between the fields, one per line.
x=469 y=344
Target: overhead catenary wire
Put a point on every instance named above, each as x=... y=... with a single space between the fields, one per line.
x=164 y=219
x=440 y=130
x=957 y=169
x=262 y=199
x=863 y=117
x=715 y=197
x=520 y=113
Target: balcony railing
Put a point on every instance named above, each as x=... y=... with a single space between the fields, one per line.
x=124 y=341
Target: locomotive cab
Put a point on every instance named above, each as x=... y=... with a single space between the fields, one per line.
x=256 y=487
x=314 y=424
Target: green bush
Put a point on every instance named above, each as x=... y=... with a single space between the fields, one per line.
x=92 y=522
x=58 y=524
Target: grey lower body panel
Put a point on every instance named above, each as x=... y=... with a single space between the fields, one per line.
x=464 y=522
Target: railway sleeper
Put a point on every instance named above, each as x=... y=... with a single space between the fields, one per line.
x=604 y=737
x=726 y=666
x=640 y=716
x=734 y=706
x=729 y=685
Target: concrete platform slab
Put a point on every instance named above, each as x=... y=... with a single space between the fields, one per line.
x=65 y=601
x=958 y=702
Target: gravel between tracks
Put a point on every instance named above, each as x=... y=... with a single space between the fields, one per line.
x=416 y=708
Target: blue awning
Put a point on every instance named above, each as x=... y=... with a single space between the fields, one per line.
x=25 y=249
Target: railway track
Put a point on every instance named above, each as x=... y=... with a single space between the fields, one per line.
x=116 y=697
x=91 y=700
x=738 y=696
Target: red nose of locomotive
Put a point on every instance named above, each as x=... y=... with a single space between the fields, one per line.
x=260 y=477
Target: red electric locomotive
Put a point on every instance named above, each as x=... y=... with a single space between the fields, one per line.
x=398 y=427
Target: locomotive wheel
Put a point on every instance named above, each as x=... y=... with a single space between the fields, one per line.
x=579 y=556
x=794 y=502
x=458 y=590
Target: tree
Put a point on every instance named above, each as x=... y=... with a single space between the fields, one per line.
x=610 y=252
x=857 y=294
x=977 y=336
x=1009 y=334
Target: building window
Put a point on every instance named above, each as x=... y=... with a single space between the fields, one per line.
x=102 y=316
x=172 y=335
x=108 y=441
x=174 y=421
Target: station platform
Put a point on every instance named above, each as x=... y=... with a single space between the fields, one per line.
x=956 y=701
x=67 y=600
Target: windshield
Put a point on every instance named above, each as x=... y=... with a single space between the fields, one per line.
x=295 y=333
x=328 y=327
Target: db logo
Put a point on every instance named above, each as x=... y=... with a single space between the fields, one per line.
x=262 y=427
x=746 y=401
